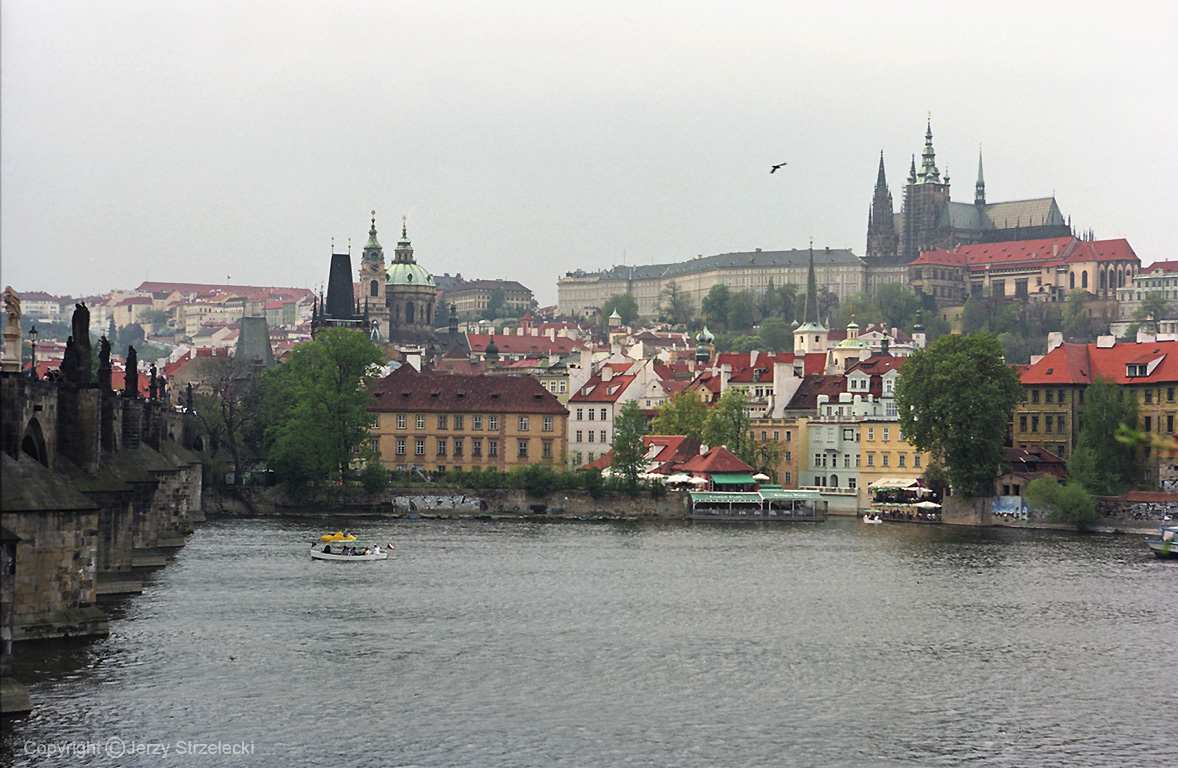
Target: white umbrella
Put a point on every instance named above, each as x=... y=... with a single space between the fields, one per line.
x=760 y=477
x=927 y=505
x=679 y=477
x=698 y=481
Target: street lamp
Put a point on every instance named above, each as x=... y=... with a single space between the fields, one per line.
x=33 y=347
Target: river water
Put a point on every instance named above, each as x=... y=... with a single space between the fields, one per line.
x=529 y=644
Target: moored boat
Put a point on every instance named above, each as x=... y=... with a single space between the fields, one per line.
x=872 y=519
x=1163 y=544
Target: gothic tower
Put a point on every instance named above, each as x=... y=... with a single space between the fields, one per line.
x=979 y=189
x=372 y=287
x=881 y=225
x=811 y=335
x=926 y=198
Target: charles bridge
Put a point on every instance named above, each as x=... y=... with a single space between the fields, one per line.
x=98 y=485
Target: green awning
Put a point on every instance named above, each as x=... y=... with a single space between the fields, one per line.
x=719 y=496
x=733 y=478
x=775 y=494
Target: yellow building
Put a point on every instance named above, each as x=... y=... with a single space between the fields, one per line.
x=450 y=421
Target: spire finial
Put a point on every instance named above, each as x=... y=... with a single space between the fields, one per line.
x=404 y=219
x=979 y=195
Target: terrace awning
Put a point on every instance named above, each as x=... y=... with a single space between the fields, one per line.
x=733 y=478
x=894 y=483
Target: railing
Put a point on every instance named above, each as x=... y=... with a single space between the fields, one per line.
x=830 y=490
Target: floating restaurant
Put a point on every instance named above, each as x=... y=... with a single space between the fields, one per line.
x=769 y=502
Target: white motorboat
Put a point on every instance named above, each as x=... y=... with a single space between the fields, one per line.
x=1164 y=543
x=872 y=519
x=347 y=549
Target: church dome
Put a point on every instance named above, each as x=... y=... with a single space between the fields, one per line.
x=401 y=273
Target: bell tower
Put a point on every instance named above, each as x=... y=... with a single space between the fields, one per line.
x=372 y=286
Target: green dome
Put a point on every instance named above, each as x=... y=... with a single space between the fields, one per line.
x=408 y=274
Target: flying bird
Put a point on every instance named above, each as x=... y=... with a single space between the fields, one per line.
x=779 y=165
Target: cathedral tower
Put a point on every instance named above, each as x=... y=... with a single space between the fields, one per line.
x=926 y=198
x=881 y=224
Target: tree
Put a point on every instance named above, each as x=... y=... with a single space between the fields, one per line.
x=1063 y=503
x=897 y=305
x=776 y=335
x=676 y=305
x=317 y=406
x=625 y=304
x=628 y=450
x=683 y=414
x=727 y=424
x=1153 y=307
x=230 y=417
x=715 y=305
x=740 y=311
x=955 y=399
x=1111 y=466
x=495 y=303
x=779 y=302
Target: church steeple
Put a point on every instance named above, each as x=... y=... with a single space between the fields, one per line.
x=811 y=335
x=928 y=173
x=372 y=249
x=881 y=225
x=979 y=194
x=912 y=171
x=811 y=309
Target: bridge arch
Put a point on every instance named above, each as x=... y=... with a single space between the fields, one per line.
x=33 y=443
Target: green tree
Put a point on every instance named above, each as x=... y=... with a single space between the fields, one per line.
x=317 y=405
x=897 y=304
x=858 y=307
x=955 y=398
x=740 y=311
x=628 y=450
x=229 y=417
x=776 y=335
x=625 y=304
x=1112 y=466
x=715 y=305
x=676 y=305
x=779 y=302
x=1153 y=307
x=683 y=414
x=496 y=303
x=727 y=424
x=1069 y=503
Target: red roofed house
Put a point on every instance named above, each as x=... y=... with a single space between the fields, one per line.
x=722 y=470
x=454 y=421
x=664 y=455
x=1055 y=386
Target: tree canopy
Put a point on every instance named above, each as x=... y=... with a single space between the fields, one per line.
x=727 y=424
x=1101 y=462
x=715 y=306
x=625 y=304
x=683 y=414
x=955 y=399
x=676 y=305
x=316 y=406
x=627 y=446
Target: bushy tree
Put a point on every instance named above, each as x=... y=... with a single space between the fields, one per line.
x=627 y=446
x=626 y=306
x=1063 y=503
x=776 y=335
x=955 y=398
x=740 y=311
x=727 y=424
x=229 y=417
x=1112 y=466
x=676 y=305
x=715 y=306
x=682 y=414
x=1153 y=307
x=317 y=406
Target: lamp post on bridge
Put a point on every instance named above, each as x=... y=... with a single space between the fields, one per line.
x=33 y=348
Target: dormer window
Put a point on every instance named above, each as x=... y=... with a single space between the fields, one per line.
x=1134 y=370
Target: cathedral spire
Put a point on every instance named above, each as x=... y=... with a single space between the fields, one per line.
x=979 y=194
x=811 y=309
x=912 y=171
x=881 y=226
x=928 y=173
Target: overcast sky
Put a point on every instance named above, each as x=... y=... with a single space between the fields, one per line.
x=200 y=141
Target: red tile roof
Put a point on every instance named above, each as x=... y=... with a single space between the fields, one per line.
x=1043 y=253
x=716 y=460
x=511 y=344
x=1082 y=363
x=1160 y=266
x=407 y=390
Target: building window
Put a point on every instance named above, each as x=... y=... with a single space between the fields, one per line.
x=546 y=452
x=916 y=460
x=1034 y=423
x=590 y=413
x=492 y=448
x=419 y=447
x=883 y=459
x=458 y=446
x=476 y=447
x=1047 y=423
x=523 y=449
x=851 y=483
x=492 y=423
x=787 y=456
x=1149 y=396
x=579 y=435
x=1034 y=395
x=547 y=424
x=1022 y=423
x=400 y=446
x=476 y=422
x=900 y=460
x=777 y=436
x=458 y=421
x=1170 y=423
x=578 y=414
x=1170 y=395
x=441 y=446
x=871 y=434
x=1049 y=395
x=421 y=421
x=1061 y=397
x=870 y=459
x=1149 y=424
x=886 y=436
x=401 y=421
x=441 y=421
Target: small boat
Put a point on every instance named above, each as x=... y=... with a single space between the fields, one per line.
x=1163 y=544
x=337 y=546
x=872 y=519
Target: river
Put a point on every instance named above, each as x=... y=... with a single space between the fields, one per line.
x=577 y=644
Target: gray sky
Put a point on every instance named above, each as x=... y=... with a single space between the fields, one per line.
x=189 y=141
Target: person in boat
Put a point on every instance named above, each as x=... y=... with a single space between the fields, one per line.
x=327 y=549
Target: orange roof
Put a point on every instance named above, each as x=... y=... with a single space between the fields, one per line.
x=1082 y=363
x=716 y=460
x=1044 y=253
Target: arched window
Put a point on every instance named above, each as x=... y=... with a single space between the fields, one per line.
x=409 y=313
x=429 y=314
x=1071 y=280
x=1103 y=279
x=1084 y=279
x=834 y=481
x=374 y=288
